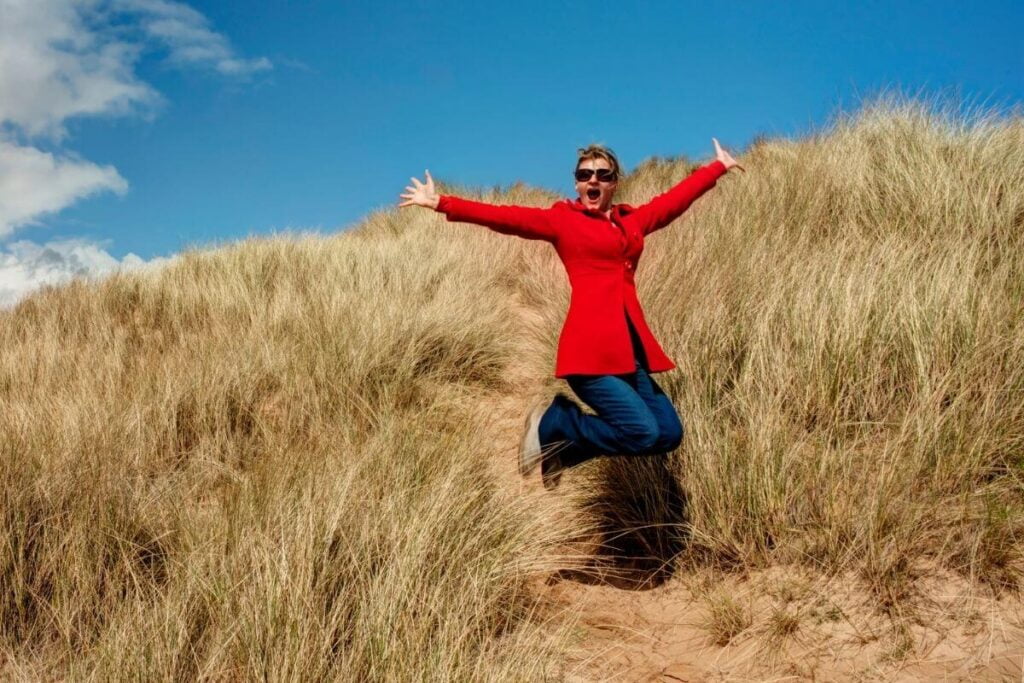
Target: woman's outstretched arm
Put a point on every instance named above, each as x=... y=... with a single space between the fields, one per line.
x=666 y=207
x=532 y=223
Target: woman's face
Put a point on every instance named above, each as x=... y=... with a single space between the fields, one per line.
x=593 y=193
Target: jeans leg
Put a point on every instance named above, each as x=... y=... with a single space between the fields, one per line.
x=623 y=424
x=670 y=425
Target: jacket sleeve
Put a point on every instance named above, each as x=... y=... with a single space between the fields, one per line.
x=666 y=207
x=531 y=223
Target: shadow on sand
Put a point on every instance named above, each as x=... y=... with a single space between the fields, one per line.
x=637 y=513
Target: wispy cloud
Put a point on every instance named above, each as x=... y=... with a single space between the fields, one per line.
x=187 y=35
x=61 y=59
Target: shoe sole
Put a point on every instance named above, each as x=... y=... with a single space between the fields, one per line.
x=529 y=453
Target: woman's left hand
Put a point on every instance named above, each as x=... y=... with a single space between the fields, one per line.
x=725 y=157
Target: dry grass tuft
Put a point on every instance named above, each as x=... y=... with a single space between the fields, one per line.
x=726 y=618
x=782 y=623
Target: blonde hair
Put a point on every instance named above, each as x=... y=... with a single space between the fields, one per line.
x=598 y=152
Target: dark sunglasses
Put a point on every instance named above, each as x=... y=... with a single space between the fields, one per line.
x=605 y=175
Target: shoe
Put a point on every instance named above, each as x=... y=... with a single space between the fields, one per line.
x=529 y=448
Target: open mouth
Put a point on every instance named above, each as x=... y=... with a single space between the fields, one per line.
x=593 y=193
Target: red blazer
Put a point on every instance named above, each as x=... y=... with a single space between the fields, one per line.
x=600 y=257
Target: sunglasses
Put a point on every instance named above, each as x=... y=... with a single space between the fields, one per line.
x=604 y=175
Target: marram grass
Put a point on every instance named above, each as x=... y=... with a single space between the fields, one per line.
x=265 y=460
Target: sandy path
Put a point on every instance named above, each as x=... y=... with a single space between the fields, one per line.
x=660 y=633
x=618 y=639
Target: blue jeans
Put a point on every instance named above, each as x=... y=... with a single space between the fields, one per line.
x=634 y=416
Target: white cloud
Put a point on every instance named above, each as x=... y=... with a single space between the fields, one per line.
x=34 y=183
x=65 y=58
x=26 y=266
x=55 y=63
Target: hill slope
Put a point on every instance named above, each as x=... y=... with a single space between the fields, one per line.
x=294 y=457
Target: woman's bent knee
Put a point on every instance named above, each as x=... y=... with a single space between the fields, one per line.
x=642 y=438
x=671 y=436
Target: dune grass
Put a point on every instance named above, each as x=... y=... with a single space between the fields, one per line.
x=265 y=460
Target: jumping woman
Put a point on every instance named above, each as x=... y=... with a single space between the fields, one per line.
x=606 y=352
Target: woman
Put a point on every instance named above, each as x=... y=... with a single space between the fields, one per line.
x=606 y=351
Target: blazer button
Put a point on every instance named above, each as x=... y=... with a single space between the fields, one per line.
x=629 y=266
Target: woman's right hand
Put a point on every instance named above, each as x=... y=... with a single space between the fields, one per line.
x=422 y=194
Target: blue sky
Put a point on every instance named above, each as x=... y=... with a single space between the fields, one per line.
x=310 y=115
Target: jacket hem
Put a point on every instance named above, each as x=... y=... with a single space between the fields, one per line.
x=562 y=374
